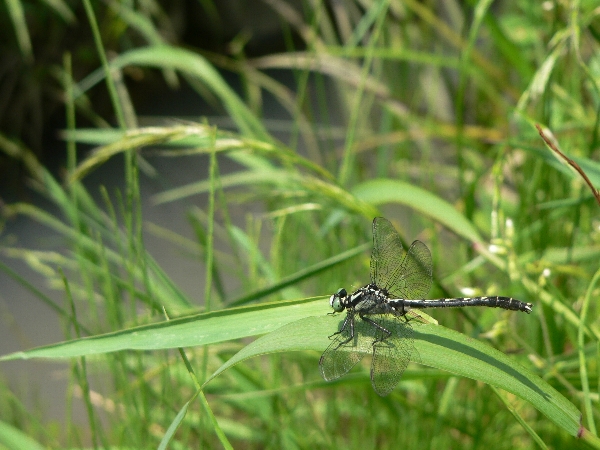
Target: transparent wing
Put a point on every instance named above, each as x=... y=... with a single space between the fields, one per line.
x=392 y=354
x=347 y=348
x=415 y=280
x=387 y=253
x=403 y=274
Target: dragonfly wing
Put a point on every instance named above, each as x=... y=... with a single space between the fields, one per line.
x=416 y=271
x=347 y=348
x=387 y=253
x=391 y=354
x=403 y=274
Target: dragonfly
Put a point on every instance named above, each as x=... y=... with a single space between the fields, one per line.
x=378 y=315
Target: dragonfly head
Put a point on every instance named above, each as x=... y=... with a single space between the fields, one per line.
x=338 y=300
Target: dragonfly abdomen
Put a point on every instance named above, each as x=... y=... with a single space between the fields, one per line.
x=507 y=303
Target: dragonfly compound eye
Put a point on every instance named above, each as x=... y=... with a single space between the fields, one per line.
x=336 y=300
x=341 y=292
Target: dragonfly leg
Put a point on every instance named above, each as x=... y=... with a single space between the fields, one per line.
x=385 y=332
x=349 y=319
x=341 y=330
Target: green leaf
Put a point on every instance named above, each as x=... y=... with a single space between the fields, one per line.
x=16 y=13
x=194 y=65
x=438 y=347
x=11 y=437
x=174 y=426
x=199 y=329
x=291 y=326
x=384 y=190
x=301 y=275
x=589 y=166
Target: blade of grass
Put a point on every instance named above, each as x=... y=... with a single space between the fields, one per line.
x=438 y=347
x=199 y=329
x=382 y=190
x=520 y=419
x=301 y=275
x=39 y=294
x=193 y=64
x=12 y=437
x=17 y=17
x=585 y=384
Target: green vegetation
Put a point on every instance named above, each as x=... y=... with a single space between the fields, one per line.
x=433 y=127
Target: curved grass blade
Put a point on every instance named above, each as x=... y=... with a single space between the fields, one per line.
x=301 y=275
x=12 y=437
x=191 y=64
x=383 y=190
x=199 y=329
x=437 y=347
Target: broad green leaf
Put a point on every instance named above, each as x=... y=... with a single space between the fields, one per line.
x=384 y=190
x=291 y=326
x=199 y=329
x=438 y=347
